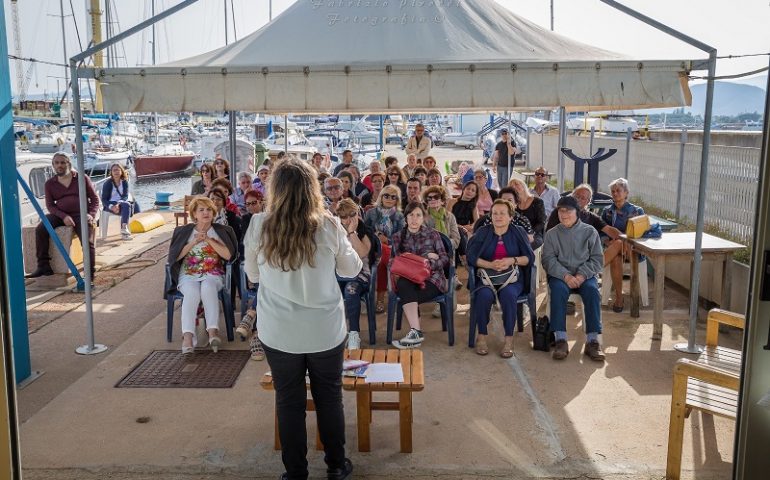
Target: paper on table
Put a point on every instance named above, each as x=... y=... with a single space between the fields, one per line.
x=384 y=372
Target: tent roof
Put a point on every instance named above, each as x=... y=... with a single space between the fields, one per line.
x=398 y=56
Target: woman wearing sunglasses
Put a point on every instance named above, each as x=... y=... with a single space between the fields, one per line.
x=440 y=218
x=395 y=176
x=202 y=186
x=221 y=168
x=385 y=220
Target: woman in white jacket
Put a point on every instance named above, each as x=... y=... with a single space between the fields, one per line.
x=294 y=250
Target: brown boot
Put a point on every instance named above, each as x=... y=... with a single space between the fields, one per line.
x=594 y=351
x=560 y=350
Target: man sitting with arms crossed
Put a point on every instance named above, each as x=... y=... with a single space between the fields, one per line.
x=572 y=258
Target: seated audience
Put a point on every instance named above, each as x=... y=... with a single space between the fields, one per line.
x=202 y=186
x=352 y=288
x=115 y=198
x=617 y=215
x=394 y=176
x=493 y=250
x=531 y=207
x=434 y=177
x=572 y=258
x=426 y=242
x=518 y=219
x=385 y=220
x=197 y=254
x=374 y=167
x=486 y=196
x=547 y=193
x=377 y=181
x=333 y=190
x=238 y=196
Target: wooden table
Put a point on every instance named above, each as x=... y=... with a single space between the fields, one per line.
x=677 y=245
x=414 y=381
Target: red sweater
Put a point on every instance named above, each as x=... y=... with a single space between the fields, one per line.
x=64 y=201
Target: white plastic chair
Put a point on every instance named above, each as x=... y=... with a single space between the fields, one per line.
x=643 y=287
x=104 y=221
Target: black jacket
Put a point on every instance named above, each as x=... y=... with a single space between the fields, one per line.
x=178 y=240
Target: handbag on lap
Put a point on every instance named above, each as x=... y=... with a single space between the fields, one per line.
x=412 y=267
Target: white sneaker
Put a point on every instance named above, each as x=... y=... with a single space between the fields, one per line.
x=436 y=311
x=413 y=338
x=354 y=341
x=125 y=232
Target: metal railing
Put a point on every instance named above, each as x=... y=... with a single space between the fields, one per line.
x=654 y=171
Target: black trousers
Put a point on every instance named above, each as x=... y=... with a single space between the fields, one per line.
x=325 y=371
x=42 y=238
x=410 y=292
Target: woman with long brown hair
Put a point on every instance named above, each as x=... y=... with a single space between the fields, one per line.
x=202 y=186
x=293 y=250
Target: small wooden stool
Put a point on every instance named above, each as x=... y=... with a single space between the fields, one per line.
x=414 y=381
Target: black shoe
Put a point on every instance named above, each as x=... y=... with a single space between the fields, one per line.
x=40 y=272
x=343 y=473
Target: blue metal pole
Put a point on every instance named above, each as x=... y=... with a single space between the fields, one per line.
x=10 y=244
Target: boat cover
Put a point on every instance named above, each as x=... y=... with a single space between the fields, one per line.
x=399 y=56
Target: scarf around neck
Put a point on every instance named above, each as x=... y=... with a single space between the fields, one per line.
x=438 y=217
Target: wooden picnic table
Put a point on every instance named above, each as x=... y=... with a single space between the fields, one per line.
x=414 y=381
x=676 y=245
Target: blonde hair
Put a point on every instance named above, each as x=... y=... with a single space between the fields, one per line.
x=507 y=203
x=391 y=190
x=198 y=201
x=346 y=206
x=517 y=181
x=295 y=212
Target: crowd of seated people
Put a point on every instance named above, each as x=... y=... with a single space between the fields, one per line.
x=495 y=231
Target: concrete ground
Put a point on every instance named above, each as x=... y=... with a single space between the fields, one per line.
x=478 y=417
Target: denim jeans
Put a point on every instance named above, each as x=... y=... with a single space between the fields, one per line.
x=588 y=291
x=485 y=297
x=325 y=371
x=125 y=210
x=351 y=294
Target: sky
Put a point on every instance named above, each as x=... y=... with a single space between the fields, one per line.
x=736 y=27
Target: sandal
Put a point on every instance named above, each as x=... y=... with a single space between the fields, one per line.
x=617 y=308
x=255 y=347
x=380 y=306
x=507 y=351
x=481 y=346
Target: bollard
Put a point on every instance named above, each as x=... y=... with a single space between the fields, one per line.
x=162 y=200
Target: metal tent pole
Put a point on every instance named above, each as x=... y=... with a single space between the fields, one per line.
x=562 y=144
x=91 y=347
x=690 y=347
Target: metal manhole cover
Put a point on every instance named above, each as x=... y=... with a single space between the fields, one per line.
x=172 y=369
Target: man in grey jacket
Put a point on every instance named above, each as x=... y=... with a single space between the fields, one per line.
x=572 y=258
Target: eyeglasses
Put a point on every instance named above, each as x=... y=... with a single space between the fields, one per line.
x=388 y=196
x=251 y=204
x=347 y=217
x=219 y=163
x=539 y=174
x=433 y=197
x=393 y=174
x=333 y=187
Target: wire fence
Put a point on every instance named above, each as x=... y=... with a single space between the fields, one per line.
x=667 y=175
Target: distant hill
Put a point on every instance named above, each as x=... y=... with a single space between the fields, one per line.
x=756 y=81
x=729 y=98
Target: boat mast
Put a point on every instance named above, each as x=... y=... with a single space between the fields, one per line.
x=95 y=11
x=66 y=61
x=153 y=62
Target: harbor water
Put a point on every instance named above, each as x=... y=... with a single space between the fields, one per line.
x=144 y=190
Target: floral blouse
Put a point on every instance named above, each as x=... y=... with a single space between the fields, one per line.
x=202 y=260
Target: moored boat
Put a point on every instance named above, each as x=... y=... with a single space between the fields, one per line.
x=164 y=160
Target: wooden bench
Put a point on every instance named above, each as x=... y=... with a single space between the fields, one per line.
x=267 y=383
x=709 y=384
x=414 y=381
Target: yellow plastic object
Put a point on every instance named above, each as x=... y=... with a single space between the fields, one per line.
x=144 y=222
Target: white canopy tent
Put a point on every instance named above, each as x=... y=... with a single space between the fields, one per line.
x=399 y=56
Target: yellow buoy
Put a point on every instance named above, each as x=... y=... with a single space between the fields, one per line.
x=144 y=222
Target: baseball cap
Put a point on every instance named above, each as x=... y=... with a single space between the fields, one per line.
x=503 y=130
x=567 y=202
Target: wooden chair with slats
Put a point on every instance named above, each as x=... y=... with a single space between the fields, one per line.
x=709 y=384
x=183 y=213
